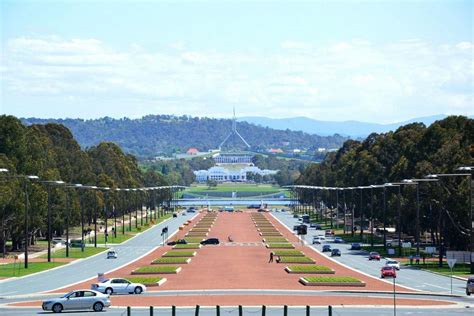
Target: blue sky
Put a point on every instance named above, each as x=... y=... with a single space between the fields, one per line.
x=379 y=61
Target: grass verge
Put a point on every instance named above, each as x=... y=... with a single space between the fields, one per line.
x=172 y=260
x=156 y=270
x=18 y=269
x=75 y=253
x=290 y=259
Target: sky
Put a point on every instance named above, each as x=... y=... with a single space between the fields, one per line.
x=374 y=61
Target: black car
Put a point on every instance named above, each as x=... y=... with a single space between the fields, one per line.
x=296 y=227
x=177 y=242
x=356 y=246
x=335 y=252
x=210 y=241
x=326 y=248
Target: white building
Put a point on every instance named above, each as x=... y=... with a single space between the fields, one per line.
x=231 y=172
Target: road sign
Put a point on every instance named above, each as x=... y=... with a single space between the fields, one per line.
x=451 y=263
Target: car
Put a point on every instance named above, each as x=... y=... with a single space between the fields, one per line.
x=118 y=286
x=470 y=286
x=175 y=215
x=58 y=241
x=77 y=300
x=296 y=227
x=338 y=240
x=335 y=252
x=393 y=263
x=387 y=271
x=356 y=246
x=374 y=256
x=329 y=232
x=262 y=210
x=112 y=254
x=210 y=241
x=191 y=210
x=326 y=248
x=177 y=242
x=295 y=216
x=318 y=240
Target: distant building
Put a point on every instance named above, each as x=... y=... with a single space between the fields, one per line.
x=192 y=151
x=275 y=151
x=296 y=151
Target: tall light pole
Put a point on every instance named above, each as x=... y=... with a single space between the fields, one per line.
x=4 y=249
x=399 y=220
x=471 y=211
x=27 y=233
x=68 y=207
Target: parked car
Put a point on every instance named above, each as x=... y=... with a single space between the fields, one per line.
x=177 y=242
x=60 y=241
x=338 y=240
x=335 y=252
x=356 y=246
x=470 y=286
x=210 y=241
x=112 y=254
x=78 y=300
x=393 y=263
x=76 y=243
x=329 y=232
x=318 y=240
x=326 y=248
x=118 y=286
x=374 y=256
x=388 y=272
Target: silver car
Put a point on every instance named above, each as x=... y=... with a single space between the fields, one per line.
x=117 y=285
x=78 y=300
x=470 y=286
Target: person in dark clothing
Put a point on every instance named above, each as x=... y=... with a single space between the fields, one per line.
x=271 y=257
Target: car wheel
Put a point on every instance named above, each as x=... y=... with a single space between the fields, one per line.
x=57 y=308
x=98 y=307
x=468 y=293
x=382 y=276
x=138 y=290
x=109 y=291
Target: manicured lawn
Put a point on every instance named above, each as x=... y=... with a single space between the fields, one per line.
x=295 y=253
x=18 y=269
x=331 y=279
x=309 y=268
x=232 y=187
x=459 y=268
x=75 y=252
x=145 y=280
x=276 y=239
x=357 y=238
x=157 y=269
x=384 y=253
x=170 y=260
x=295 y=260
x=187 y=246
x=282 y=245
x=192 y=240
x=179 y=254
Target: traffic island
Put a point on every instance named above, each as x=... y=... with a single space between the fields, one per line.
x=279 y=245
x=271 y=234
x=177 y=253
x=288 y=253
x=171 y=260
x=309 y=269
x=331 y=281
x=148 y=281
x=187 y=246
x=275 y=240
x=193 y=240
x=301 y=260
x=156 y=270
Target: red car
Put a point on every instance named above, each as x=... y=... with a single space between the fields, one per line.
x=388 y=272
x=374 y=256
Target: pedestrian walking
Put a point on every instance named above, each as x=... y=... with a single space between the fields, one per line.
x=271 y=257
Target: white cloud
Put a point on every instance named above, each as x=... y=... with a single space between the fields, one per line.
x=299 y=78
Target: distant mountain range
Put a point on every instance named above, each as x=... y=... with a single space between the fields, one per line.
x=352 y=129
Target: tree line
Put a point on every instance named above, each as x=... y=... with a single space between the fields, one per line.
x=50 y=152
x=412 y=151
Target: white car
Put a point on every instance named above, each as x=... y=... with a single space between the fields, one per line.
x=117 y=285
x=112 y=254
x=318 y=240
x=78 y=300
x=393 y=263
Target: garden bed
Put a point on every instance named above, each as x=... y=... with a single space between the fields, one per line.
x=302 y=260
x=275 y=239
x=156 y=270
x=171 y=260
x=288 y=253
x=272 y=234
x=279 y=245
x=331 y=281
x=148 y=281
x=177 y=253
x=193 y=240
x=309 y=269
x=187 y=246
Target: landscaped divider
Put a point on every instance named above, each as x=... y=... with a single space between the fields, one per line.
x=171 y=260
x=309 y=269
x=156 y=270
x=331 y=281
x=299 y=260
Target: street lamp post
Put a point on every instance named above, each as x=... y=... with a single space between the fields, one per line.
x=27 y=234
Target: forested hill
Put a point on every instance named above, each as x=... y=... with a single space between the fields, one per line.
x=155 y=134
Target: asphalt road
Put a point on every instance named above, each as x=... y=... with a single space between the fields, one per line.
x=411 y=277
x=83 y=269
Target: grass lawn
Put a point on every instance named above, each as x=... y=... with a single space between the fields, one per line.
x=283 y=245
x=75 y=252
x=357 y=238
x=332 y=279
x=18 y=269
x=384 y=253
x=157 y=269
x=295 y=260
x=235 y=187
x=295 y=253
x=170 y=260
x=187 y=246
x=276 y=239
x=459 y=268
x=192 y=240
x=309 y=268
x=179 y=254
x=145 y=280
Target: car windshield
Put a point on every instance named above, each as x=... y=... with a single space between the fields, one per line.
x=392 y=262
x=387 y=268
x=67 y=294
